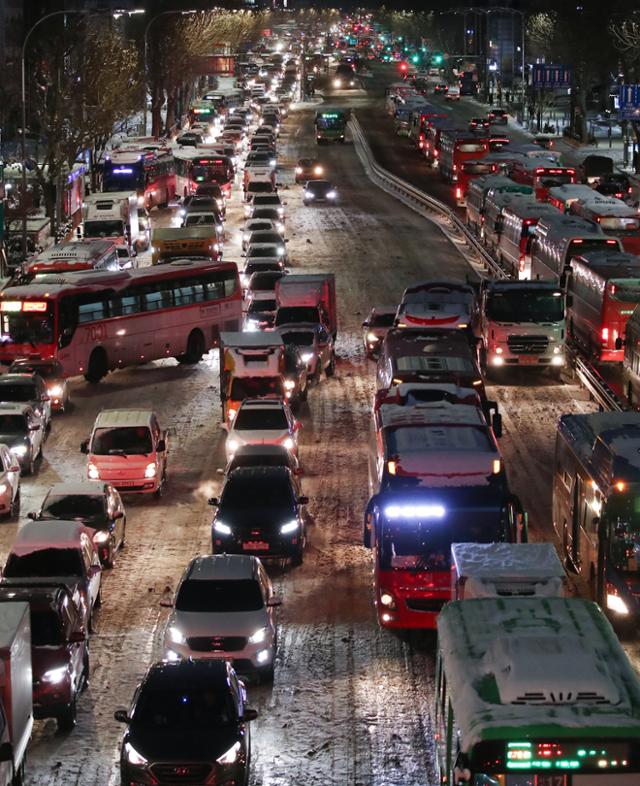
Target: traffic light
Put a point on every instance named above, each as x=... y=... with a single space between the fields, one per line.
x=437 y=59
x=415 y=58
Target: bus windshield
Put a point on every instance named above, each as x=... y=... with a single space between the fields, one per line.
x=423 y=544
x=102 y=228
x=557 y=179
x=27 y=328
x=625 y=290
x=526 y=306
x=206 y=173
x=333 y=121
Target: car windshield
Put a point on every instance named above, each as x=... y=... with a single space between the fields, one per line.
x=267 y=200
x=280 y=459
x=46 y=629
x=104 y=228
x=418 y=440
x=127 y=440
x=190 y=709
x=260 y=306
x=319 y=188
x=13 y=424
x=259 y=267
x=46 y=371
x=260 y=494
x=255 y=387
x=260 y=419
x=79 y=507
x=299 y=338
x=525 y=306
x=11 y=392
x=382 y=320
x=219 y=596
x=264 y=282
x=43 y=563
x=260 y=187
x=199 y=219
x=296 y=314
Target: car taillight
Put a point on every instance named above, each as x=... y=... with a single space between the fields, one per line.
x=605 y=335
x=458 y=193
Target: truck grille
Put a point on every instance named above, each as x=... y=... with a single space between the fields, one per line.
x=217 y=643
x=528 y=345
x=187 y=772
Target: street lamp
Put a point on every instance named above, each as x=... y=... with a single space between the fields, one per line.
x=145 y=51
x=23 y=94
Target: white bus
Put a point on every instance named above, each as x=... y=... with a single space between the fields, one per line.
x=534 y=692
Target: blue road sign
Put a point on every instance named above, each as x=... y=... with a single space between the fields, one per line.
x=629 y=96
x=543 y=75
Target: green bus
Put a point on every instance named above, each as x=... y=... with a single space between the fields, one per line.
x=330 y=125
x=534 y=692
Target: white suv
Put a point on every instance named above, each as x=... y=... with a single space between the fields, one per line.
x=224 y=608
x=262 y=421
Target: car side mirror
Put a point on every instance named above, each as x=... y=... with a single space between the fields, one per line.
x=249 y=714
x=274 y=601
x=32 y=515
x=119 y=514
x=162 y=446
x=213 y=501
x=14 y=468
x=297 y=425
x=121 y=716
x=6 y=751
x=365 y=323
x=303 y=500
x=84 y=446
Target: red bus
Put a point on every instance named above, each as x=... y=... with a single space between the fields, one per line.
x=437 y=478
x=542 y=175
x=614 y=217
x=431 y=146
x=196 y=168
x=150 y=173
x=93 y=323
x=603 y=289
x=469 y=170
x=457 y=147
x=419 y=122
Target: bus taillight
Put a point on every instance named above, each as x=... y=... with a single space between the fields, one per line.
x=458 y=193
x=605 y=335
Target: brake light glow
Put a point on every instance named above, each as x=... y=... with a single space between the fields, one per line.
x=605 y=334
x=458 y=193
x=496 y=466
x=414 y=511
x=392 y=467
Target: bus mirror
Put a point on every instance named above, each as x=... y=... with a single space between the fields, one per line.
x=619 y=343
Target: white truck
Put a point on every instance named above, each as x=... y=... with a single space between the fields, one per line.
x=309 y=298
x=521 y=324
x=16 y=691
x=113 y=215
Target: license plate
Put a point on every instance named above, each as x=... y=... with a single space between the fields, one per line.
x=528 y=360
x=255 y=545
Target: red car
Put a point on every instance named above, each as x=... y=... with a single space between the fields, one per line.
x=479 y=124
x=59 y=649
x=441 y=89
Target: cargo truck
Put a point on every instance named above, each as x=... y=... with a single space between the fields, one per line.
x=309 y=298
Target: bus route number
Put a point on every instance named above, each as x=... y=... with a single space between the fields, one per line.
x=96 y=333
x=551 y=780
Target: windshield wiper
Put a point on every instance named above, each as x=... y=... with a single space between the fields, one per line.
x=117 y=452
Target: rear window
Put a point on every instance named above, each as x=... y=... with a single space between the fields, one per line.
x=20 y=393
x=255 y=387
x=43 y=563
x=267 y=419
x=471 y=147
x=219 y=596
x=46 y=629
x=382 y=320
x=434 y=439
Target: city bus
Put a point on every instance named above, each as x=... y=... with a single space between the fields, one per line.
x=457 y=147
x=469 y=171
x=203 y=112
x=330 y=125
x=420 y=119
x=559 y=238
x=478 y=191
x=533 y=691
x=93 y=323
x=519 y=221
x=596 y=483
x=196 y=168
x=603 y=290
x=70 y=257
x=149 y=173
x=542 y=175
x=431 y=145
x=561 y=197
x=615 y=218
x=631 y=359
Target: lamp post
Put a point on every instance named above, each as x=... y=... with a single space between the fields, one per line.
x=23 y=96
x=145 y=54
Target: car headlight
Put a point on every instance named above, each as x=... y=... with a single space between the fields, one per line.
x=231 y=756
x=182 y=212
x=19 y=450
x=3 y=488
x=251 y=326
x=132 y=755
x=386 y=599
x=557 y=360
x=331 y=194
x=233 y=444
x=557 y=350
x=272 y=162
x=281 y=211
x=223 y=529
x=288 y=443
x=176 y=635
x=93 y=472
x=281 y=250
x=318 y=170
x=55 y=676
x=246 y=236
x=337 y=83
x=372 y=337
x=280 y=227
x=259 y=636
x=289 y=527
x=101 y=537
x=150 y=471
x=55 y=391
x=308 y=194
x=615 y=603
x=306 y=357
x=289 y=384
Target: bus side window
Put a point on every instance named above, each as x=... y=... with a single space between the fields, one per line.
x=91 y=308
x=213 y=287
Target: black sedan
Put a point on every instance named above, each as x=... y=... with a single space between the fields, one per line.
x=187 y=723
x=97 y=505
x=319 y=191
x=259 y=513
x=479 y=124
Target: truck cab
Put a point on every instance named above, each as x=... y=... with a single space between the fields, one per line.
x=521 y=324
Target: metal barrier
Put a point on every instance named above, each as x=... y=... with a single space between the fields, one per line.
x=446 y=218
x=458 y=233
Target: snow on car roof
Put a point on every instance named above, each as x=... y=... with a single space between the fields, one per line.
x=620 y=431
x=109 y=418
x=89 y=488
x=428 y=413
x=37 y=535
x=223 y=567
x=508 y=560
x=533 y=651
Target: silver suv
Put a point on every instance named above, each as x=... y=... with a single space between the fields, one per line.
x=224 y=608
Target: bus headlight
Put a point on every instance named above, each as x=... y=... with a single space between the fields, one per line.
x=337 y=83
x=497 y=361
x=616 y=604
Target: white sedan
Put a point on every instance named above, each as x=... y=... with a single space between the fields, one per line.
x=263 y=422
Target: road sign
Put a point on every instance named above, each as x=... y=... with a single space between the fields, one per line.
x=629 y=96
x=543 y=75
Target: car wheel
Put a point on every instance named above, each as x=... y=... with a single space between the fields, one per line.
x=31 y=468
x=98 y=600
x=108 y=563
x=68 y=717
x=18 y=775
x=97 y=368
x=330 y=370
x=195 y=348
x=14 y=508
x=85 y=670
x=267 y=673
x=163 y=482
